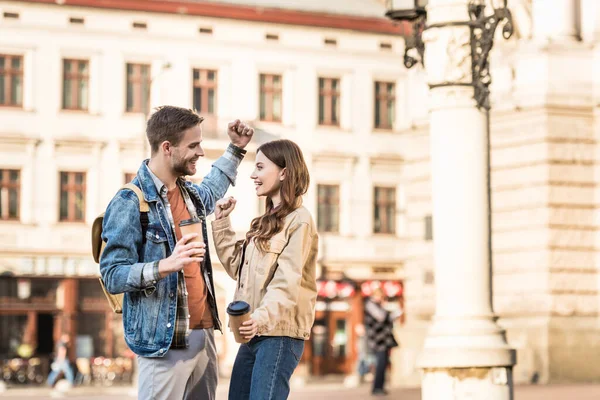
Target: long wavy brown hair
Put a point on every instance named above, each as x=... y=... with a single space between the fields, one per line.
x=285 y=154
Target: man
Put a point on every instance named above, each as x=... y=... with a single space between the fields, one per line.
x=61 y=362
x=380 y=336
x=169 y=308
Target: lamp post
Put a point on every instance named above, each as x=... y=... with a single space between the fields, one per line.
x=146 y=108
x=465 y=355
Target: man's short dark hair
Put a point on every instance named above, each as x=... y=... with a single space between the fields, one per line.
x=168 y=124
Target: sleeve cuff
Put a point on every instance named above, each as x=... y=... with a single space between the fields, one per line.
x=221 y=224
x=235 y=151
x=150 y=274
x=228 y=164
x=262 y=327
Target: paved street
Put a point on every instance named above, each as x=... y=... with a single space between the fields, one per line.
x=321 y=392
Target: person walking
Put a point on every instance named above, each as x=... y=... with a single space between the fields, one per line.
x=61 y=362
x=379 y=323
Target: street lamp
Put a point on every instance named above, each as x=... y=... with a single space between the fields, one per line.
x=410 y=11
x=482 y=28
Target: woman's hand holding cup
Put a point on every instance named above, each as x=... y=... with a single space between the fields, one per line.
x=249 y=329
x=224 y=207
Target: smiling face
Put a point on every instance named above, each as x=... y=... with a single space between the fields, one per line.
x=267 y=176
x=187 y=152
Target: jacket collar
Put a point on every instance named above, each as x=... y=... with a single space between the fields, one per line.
x=147 y=183
x=150 y=187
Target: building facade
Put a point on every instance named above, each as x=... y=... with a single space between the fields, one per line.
x=544 y=194
x=78 y=80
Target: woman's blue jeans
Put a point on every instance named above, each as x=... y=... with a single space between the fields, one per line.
x=263 y=368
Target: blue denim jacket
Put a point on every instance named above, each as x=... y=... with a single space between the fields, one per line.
x=149 y=307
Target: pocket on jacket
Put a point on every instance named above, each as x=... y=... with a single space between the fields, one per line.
x=269 y=258
x=155 y=246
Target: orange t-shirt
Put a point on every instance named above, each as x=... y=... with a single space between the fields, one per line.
x=200 y=315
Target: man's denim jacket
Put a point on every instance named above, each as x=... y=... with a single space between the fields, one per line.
x=149 y=307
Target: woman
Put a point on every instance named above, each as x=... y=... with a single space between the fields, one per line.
x=275 y=269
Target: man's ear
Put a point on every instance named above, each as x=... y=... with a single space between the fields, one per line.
x=282 y=175
x=166 y=147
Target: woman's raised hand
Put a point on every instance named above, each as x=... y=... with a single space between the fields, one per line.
x=224 y=207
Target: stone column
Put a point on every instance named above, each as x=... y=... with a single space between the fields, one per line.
x=465 y=355
x=556 y=20
x=70 y=310
x=590 y=20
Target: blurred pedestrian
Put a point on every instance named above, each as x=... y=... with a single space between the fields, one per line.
x=61 y=362
x=380 y=336
x=366 y=359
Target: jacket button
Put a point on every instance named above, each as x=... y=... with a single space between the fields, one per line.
x=158 y=237
x=171 y=295
x=161 y=351
x=169 y=325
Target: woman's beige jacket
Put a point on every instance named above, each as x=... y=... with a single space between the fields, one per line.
x=279 y=285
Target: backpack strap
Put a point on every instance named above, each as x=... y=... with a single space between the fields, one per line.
x=144 y=207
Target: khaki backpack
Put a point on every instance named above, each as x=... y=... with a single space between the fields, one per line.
x=116 y=300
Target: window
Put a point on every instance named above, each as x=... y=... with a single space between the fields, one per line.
x=72 y=196
x=329 y=101
x=385 y=99
x=11 y=80
x=270 y=97
x=10 y=188
x=428 y=228
x=75 y=84
x=384 y=218
x=205 y=91
x=138 y=87
x=328 y=208
x=128 y=176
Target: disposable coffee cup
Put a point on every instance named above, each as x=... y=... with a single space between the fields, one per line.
x=239 y=312
x=192 y=225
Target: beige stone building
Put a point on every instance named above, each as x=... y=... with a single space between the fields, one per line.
x=331 y=78
x=76 y=78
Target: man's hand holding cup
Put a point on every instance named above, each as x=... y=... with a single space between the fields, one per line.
x=186 y=252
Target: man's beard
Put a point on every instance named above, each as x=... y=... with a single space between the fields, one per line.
x=180 y=166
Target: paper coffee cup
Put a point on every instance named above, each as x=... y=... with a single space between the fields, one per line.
x=239 y=312
x=192 y=225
